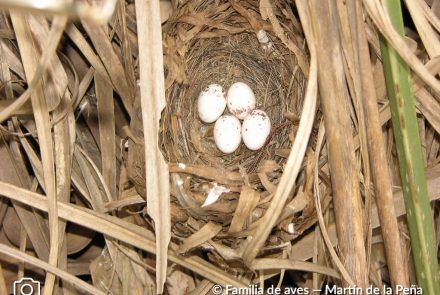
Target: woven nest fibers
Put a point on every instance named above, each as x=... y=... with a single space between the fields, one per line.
x=195 y=56
x=272 y=74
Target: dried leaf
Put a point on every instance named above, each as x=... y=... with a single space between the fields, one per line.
x=207 y=232
x=247 y=202
x=152 y=94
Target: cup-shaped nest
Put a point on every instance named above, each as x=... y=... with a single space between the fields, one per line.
x=272 y=74
x=207 y=42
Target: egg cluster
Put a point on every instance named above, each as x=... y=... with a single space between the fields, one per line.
x=228 y=130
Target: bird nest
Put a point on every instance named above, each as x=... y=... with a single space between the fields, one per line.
x=223 y=44
x=225 y=60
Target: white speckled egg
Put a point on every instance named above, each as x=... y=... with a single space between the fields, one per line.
x=227 y=133
x=255 y=129
x=241 y=100
x=211 y=103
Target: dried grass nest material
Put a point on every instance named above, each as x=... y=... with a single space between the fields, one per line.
x=203 y=44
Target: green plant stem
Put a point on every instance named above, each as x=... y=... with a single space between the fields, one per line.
x=409 y=152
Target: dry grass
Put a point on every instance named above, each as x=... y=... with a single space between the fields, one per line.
x=86 y=109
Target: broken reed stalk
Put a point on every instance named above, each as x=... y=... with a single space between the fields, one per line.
x=345 y=183
x=409 y=152
x=152 y=94
x=378 y=161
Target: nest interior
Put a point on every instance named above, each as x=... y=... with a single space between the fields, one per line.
x=226 y=60
x=205 y=44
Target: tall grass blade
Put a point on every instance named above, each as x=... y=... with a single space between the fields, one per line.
x=403 y=113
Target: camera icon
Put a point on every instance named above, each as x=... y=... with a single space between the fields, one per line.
x=27 y=286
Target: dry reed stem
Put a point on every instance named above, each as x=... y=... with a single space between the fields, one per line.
x=350 y=47
x=345 y=184
x=378 y=162
x=271 y=263
x=106 y=118
x=152 y=95
x=112 y=64
x=323 y=226
x=41 y=115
